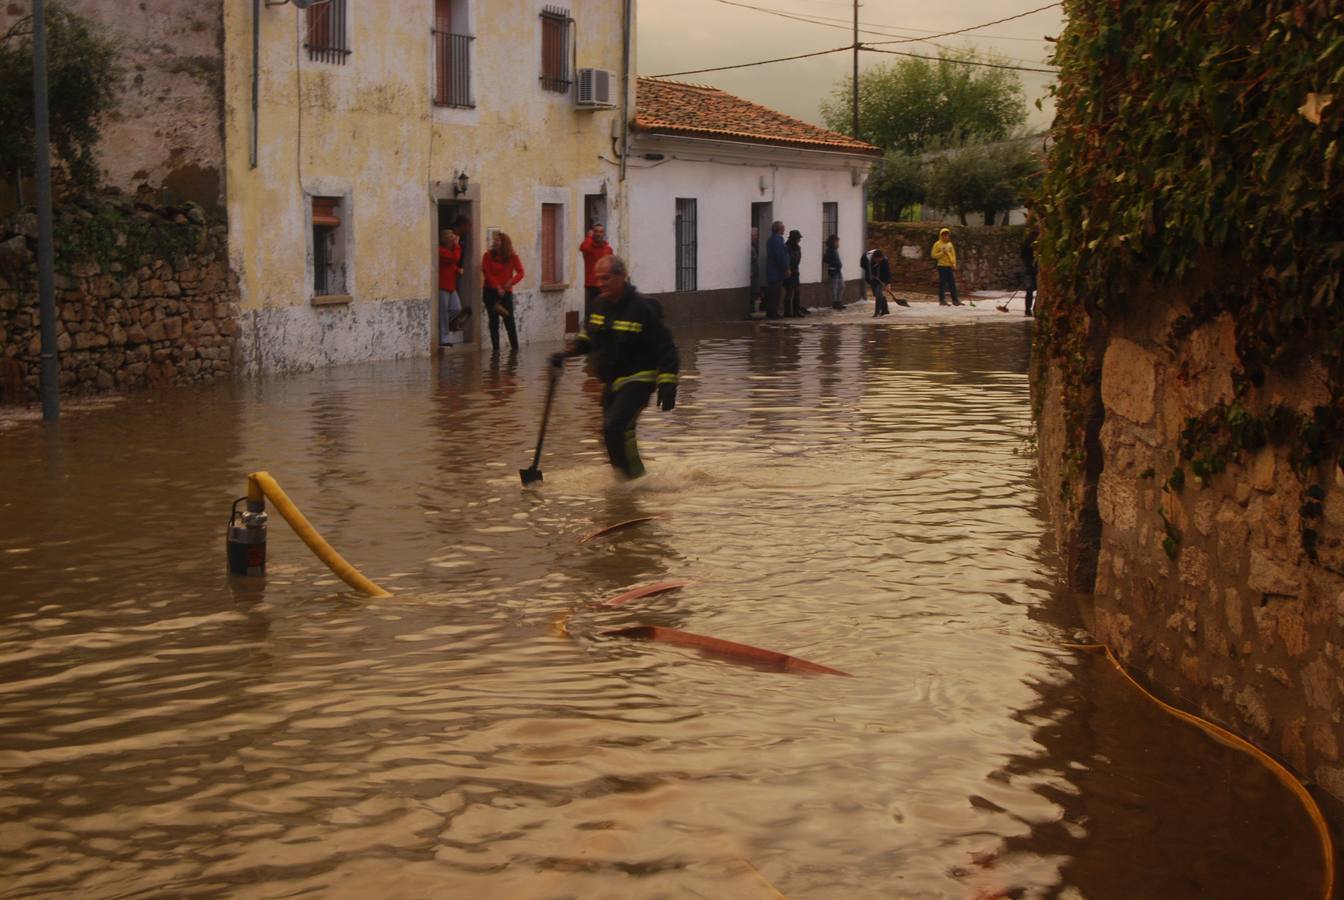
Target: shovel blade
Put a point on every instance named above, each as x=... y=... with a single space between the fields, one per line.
x=529 y=475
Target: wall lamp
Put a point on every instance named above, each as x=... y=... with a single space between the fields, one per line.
x=461 y=184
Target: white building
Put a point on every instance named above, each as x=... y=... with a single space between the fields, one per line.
x=703 y=167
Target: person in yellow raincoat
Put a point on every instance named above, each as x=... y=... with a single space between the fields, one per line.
x=944 y=255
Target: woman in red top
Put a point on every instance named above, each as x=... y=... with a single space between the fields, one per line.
x=451 y=314
x=500 y=271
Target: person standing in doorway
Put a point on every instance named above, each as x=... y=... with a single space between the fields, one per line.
x=830 y=261
x=944 y=255
x=451 y=314
x=776 y=269
x=635 y=357
x=793 y=304
x=593 y=248
x=1029 y=260
x=754 y=280
x=501 y=269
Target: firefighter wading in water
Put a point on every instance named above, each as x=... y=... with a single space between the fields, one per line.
x=635 y=356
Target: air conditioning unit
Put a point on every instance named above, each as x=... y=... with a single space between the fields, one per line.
x=595 y=89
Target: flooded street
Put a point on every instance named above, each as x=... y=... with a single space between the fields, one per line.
x=862 y=497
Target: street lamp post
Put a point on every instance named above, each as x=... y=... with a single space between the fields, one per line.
x=51 y=368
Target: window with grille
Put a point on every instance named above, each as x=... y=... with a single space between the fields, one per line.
x=452 y=54
x=328 y=247
x=327 y=32
x=552 y=244
x=555 y=72
x=830 y=220
x=686 y=244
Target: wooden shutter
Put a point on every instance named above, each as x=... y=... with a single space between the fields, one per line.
x=550 y=243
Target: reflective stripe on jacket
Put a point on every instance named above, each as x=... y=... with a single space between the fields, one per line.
x=630 y=342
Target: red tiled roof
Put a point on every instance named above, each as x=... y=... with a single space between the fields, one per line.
x=673 y=107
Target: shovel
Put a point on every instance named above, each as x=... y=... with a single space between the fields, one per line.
x=533 y=474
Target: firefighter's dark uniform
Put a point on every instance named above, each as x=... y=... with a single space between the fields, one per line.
x=635 y=356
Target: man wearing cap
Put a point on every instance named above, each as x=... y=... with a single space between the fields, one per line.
x=945 y=257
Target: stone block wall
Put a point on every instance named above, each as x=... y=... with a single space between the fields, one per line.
x=168 y=315
x=1204 y=586
x=989 y=257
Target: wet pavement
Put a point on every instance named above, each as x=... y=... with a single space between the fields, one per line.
x=858 y=494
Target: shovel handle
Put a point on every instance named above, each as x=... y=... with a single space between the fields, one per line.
x=546 y=414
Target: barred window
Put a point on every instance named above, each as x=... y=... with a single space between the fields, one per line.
x=830 y=223
x=327 y=32
x=452 y=54
x=687 y=235
x=555 y=73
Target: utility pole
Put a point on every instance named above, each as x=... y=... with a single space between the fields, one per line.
x=854 y=100
x=51 y=370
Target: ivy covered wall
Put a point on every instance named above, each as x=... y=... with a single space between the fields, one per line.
x=1189 y=353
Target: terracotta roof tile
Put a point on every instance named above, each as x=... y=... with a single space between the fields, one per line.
x=674 y=107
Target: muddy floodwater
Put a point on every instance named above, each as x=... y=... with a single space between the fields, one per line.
x=861 y=497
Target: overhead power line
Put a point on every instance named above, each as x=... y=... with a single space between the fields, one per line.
x=1020 y=15
x=813 y=20
x=873 y=47
x=960 y=62
x=870 y=49
x=763 y=62
x=923 y=34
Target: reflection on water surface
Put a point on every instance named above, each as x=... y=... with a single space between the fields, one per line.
x=852 y=495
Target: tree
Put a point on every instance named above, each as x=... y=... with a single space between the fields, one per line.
x=914 y=105
x=82 y=77
x=981 y=178
x=897 y=184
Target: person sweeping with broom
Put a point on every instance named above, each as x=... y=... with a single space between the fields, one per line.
x=635 y=356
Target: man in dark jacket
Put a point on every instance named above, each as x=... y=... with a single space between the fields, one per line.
x=776 y=269
x=793 y=303
x=634 y=355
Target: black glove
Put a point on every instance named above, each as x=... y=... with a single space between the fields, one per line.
x=558 y=359
x=667 y=396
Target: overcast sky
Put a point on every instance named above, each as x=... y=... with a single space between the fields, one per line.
x=675 y=35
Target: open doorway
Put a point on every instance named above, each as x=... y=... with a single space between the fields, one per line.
x=594 y=213
x=762 y=214
x=459 y=216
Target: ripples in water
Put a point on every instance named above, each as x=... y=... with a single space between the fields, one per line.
x=856 y=496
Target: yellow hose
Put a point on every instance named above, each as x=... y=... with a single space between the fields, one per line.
x=1223 y=736
x=261 y=485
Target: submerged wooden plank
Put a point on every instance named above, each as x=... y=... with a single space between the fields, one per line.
x=619 y=526
x=645 y=590
x=724 y=649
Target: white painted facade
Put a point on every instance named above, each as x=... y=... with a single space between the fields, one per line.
x=725 y=178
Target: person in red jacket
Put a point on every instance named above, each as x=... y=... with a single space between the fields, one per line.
x=451 y=314
x=593 y=248
x=500 y=271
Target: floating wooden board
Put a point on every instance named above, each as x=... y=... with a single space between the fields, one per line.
x=645 y=590
x=618 y=527
x=724 y=649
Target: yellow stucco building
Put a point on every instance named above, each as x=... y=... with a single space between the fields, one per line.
x=360 y=128
x=340 y=136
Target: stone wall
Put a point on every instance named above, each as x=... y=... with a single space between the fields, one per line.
x=1204 y=586
x=989 y=258
x=149 y=300
x=168 y=126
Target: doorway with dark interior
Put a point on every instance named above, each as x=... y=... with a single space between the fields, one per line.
x=762 y=214
x=594 y=213
x=459 y=216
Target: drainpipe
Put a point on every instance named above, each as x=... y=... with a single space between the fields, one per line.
x=256 y=79
x=627 y=25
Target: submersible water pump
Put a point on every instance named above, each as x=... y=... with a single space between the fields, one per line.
x=245 y=538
